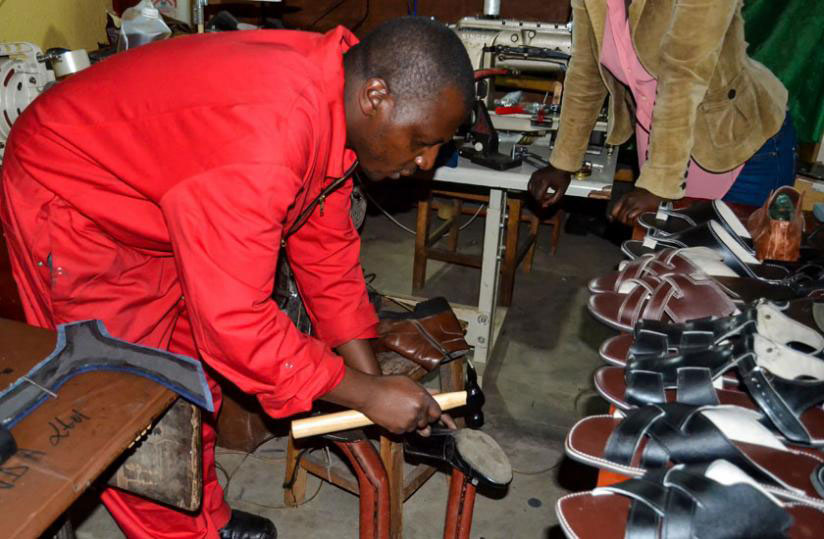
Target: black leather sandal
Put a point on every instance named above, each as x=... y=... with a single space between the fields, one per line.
x=785 y=385
x=714 y=501
x=789 y=323
x=672 y=221
x=659 y=436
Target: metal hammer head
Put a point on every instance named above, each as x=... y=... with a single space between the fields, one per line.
x=474 y=399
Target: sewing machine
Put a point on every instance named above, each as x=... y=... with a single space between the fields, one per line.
x=533 y=57
x=25 y=73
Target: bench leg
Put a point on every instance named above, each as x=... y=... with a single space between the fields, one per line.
x=296 y=494
x=392 y=457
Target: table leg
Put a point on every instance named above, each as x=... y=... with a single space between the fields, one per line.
x=490 y=269
x=510 y=254
x=421 y=241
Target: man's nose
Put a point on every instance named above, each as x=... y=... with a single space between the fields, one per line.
x=426 y=160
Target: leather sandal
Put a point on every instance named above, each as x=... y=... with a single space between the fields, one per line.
x=786 y=386
x=729 y=246
x=690 y=260
x=710 y=501
x=673 y=297
x=668 y=220
x=710 y=234
x=663 y=435
x=789 y=323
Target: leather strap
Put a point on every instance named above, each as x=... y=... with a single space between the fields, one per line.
x=682 y=503
x=695 y=387
x=623 y=442
x=817 y=479
x=644 y=387
x=782 y=401
x=680 y=434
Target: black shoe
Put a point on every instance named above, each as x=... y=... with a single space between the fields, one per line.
x=245 y=525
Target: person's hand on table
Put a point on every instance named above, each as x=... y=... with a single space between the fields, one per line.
x=548 y=178
x=633 y=204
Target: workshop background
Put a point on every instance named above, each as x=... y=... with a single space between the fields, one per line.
x=784 y=45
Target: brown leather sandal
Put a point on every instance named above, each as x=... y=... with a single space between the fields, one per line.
x=655 y=265
x=672 y=297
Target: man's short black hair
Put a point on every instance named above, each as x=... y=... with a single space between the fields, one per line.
x=417 y=57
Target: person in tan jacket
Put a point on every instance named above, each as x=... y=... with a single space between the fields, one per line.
x=709 y=121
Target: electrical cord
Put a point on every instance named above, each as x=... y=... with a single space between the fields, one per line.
x=286 y=485
x=326 y=14
x=409 y=230
x=537 y=472
x=363 y=19
x=389 y=215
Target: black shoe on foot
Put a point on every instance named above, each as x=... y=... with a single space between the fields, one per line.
x=245 y=525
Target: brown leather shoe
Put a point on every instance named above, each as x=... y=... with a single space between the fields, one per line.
x=429 y=335
x=776 y=234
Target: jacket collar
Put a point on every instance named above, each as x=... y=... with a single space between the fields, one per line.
x=642 y=14
x=329 y=54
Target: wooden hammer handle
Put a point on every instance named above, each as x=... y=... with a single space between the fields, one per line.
x=350 y=419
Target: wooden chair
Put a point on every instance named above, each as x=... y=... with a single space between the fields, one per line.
x=451 y=208
x=401 y=486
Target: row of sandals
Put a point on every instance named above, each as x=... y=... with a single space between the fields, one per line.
x=716 y=384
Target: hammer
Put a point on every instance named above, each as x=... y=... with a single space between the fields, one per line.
x=472 y=398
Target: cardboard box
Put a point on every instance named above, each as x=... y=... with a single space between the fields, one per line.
x=813 y=191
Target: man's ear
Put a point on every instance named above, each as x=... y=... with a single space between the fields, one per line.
x=374 y=94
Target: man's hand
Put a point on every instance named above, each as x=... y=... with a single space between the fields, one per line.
x=358 y=354
x=394 y=402
x=400 y=405
x=633 y=204
x=548 y=178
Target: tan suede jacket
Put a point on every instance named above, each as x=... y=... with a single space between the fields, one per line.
x=713 y=102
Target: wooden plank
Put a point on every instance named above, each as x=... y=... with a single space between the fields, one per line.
x=473 y=261
x=342 y=477
x=67 y=442
x=416 y=478
x=441 y=231
x=296 y=494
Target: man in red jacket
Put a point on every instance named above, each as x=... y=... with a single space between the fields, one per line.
x=154 y=190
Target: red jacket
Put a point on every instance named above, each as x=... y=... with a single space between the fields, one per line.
x=165 y=177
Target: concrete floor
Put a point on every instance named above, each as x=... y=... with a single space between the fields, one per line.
x=538 y=383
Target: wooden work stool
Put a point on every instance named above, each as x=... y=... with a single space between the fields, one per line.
x=451 y=208
x=401 y=486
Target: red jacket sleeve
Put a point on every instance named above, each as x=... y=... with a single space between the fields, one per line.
x=225 y=225
x=324 y=255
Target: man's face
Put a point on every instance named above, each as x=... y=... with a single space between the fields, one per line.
x=395 y=141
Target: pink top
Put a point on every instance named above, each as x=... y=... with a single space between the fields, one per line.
x=619 y=57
